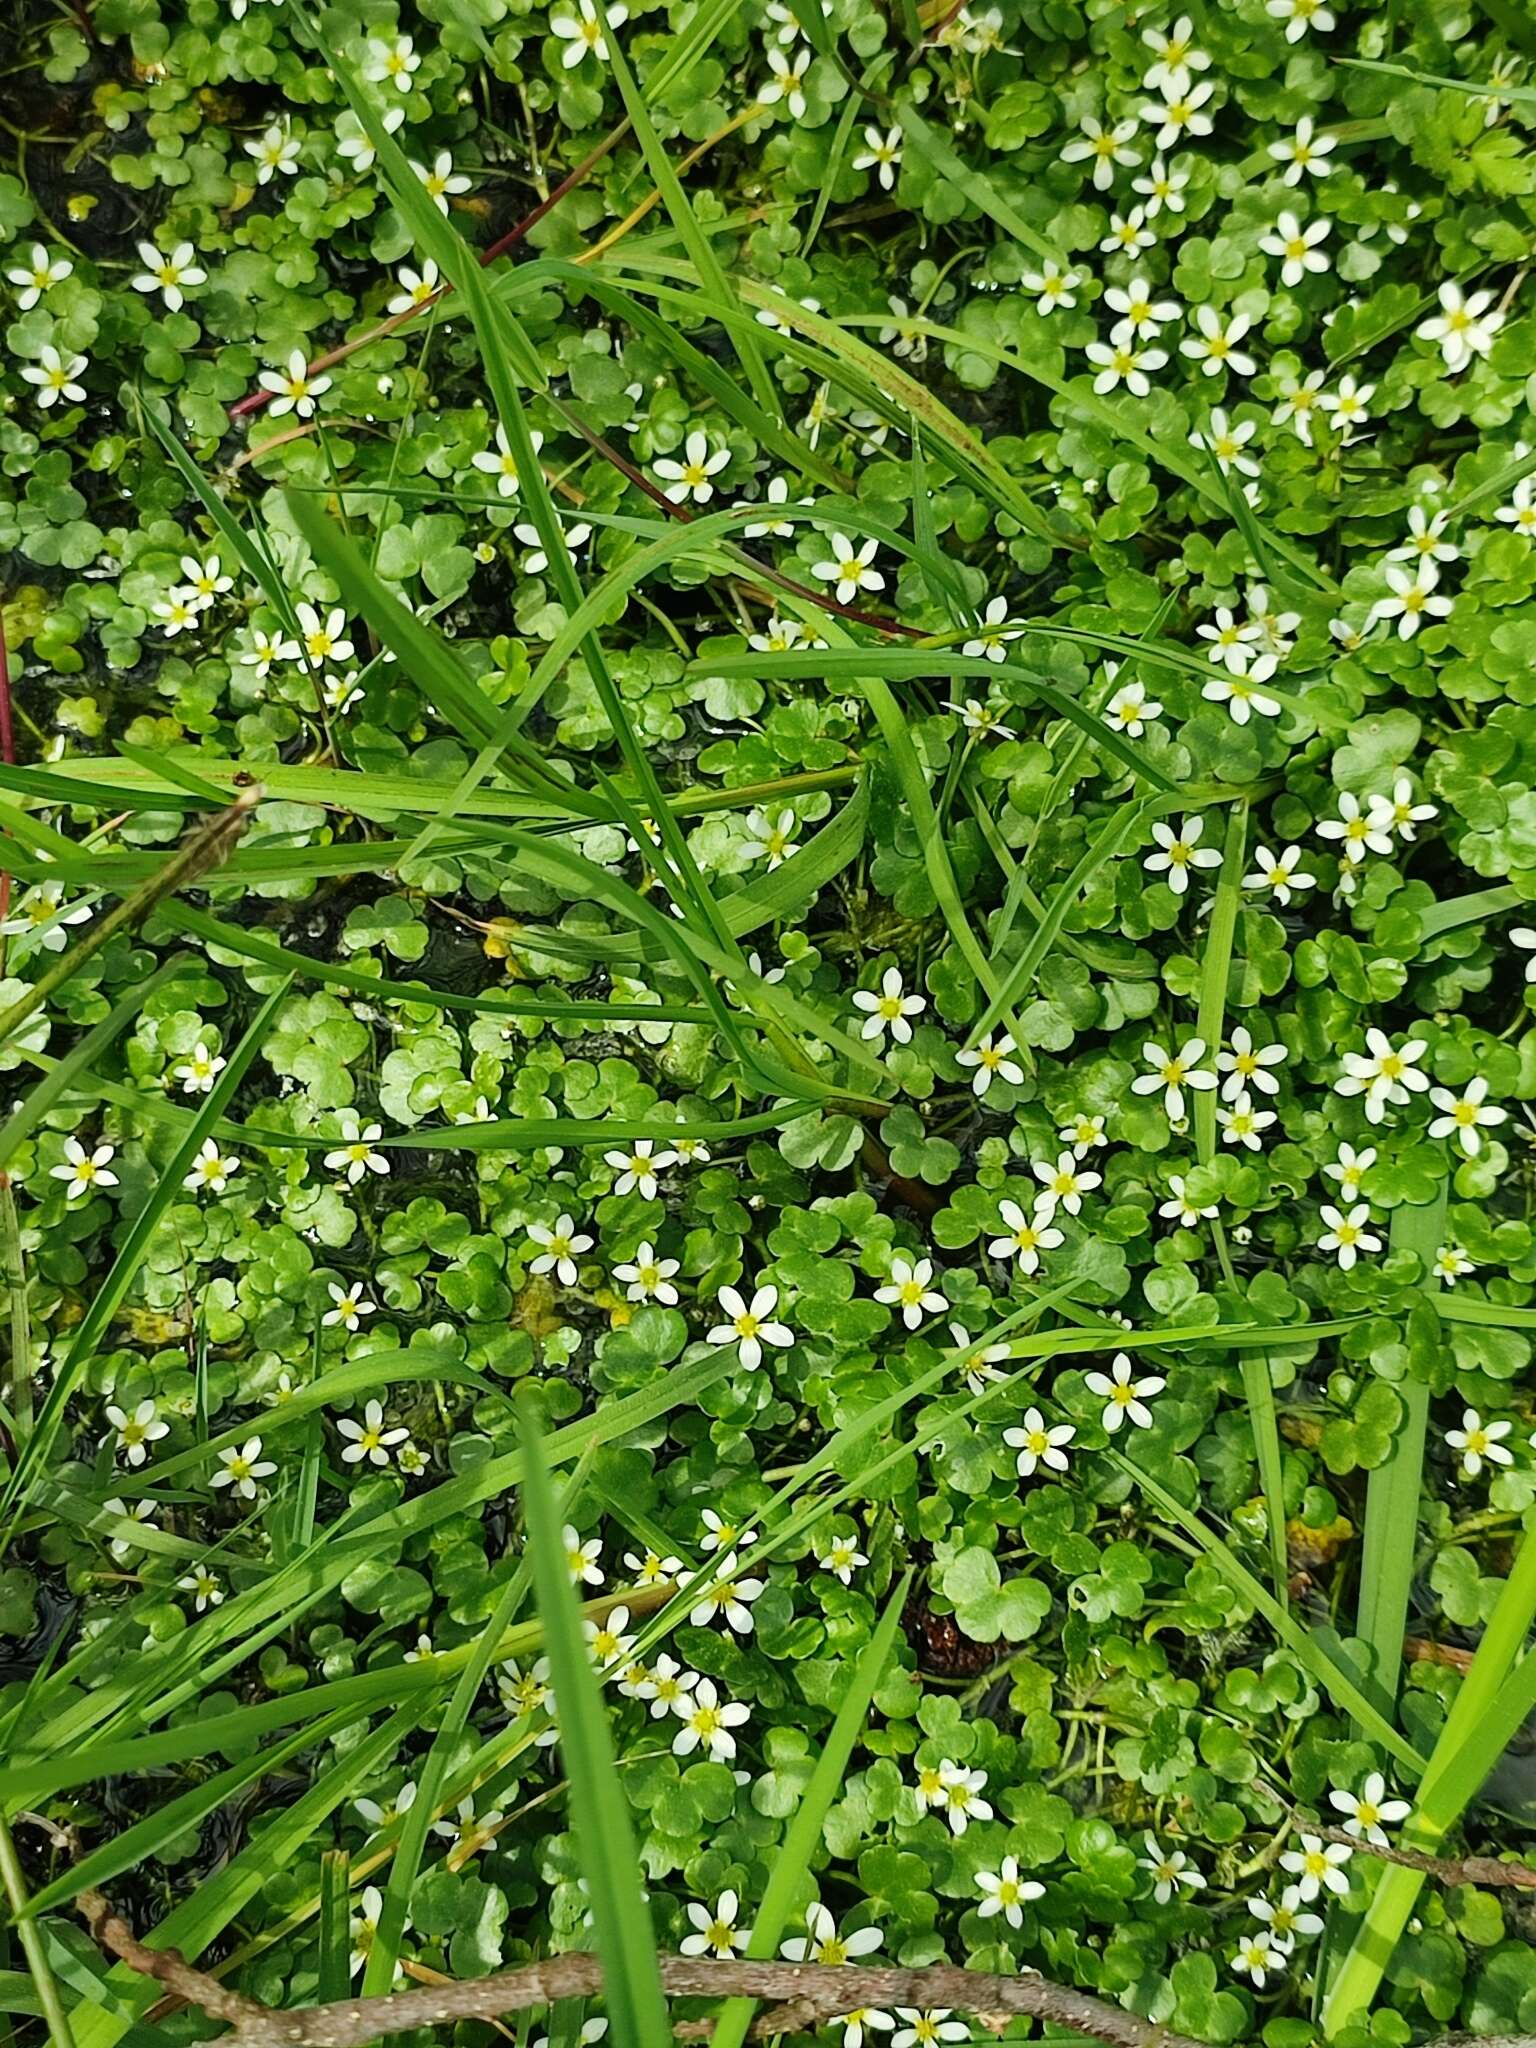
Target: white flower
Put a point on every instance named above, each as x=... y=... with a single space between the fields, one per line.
x=1399 y=813
x=981 y=1368
x=1384 y=1073
x=787 y=83
x=391 y=60
x=1004 y=1891
x=1369 y=1811
x=559 y=1249
x=993 y=633
x=324 y=639
x=536 y=561
x=1182 y=1208
x=267 y=649
x=1452 y=1264
x=1123 y=362
x=773 y=837
x=1247 y=1066
x=823 y=1943
x=1524 y=936
x=637 y=1168
x=443 y=182
x=582 y=32
x=501 y=463
x=1317 y=1866
x=1464 y=327
x=276 y=149
x=1177 y=56
x=1256 y=1959
x=689 y=480
x=1180 y=851
x=1278 y=874
x=1141 y=314
x=294 y=389
x=1169 y=1869
x=928 y=2026
x=1106 y=148
x=37 y=274
x=42 y=913
x=647 y=1277
x=1053 y=286
x=707 y=1723
x=1083 y=1133
x=908 y=1287
x=722 y=1535
x=1241 y=694
x=992 y=1062
x=1128 y=710
x=962 y=1801
x=842 y=1558
x=84 y=1170
x=1130 y=235
x=348 y=1306
x=1226 y=441
x=1346 y=1233
x=849 y=568
x=205 y=1588
x=1357 y=831
x=1039 y=1443
x=1181 y=113
x=355 y=144
x=240 y=1469
x=653 y=1568
x=1301 y=15
x=1230 y=641
x=1028 y=1237
x=666 y=1684
x=1477 y=1440
x=1299 y=399
x=1288 y=1920
x=1216 y=346
x=369 y=1438
x=774 y=525
x=1299 y=248
x=205 y=580
x=607 y=1644
x=55 y=377
x=211 y=1170
x=777 y=637
x=1520 y=512
x=137 y=1431
x=1065 y=1184
x=168 y=274
x=1304 y=152
x=582 y=1557
x=140 y=1512
x=1348 y=406
x=750 y=1325
x=881 y=153
x=980 y=718
x=717 y=1933
x=1426 y=538
x=417 y=287
x=889 y=1010
x=1244 y=1125
x=1465 y=1116
x=1163 y=185
x=1172 y=1073
x=1123 y=1396
x=355 y=1155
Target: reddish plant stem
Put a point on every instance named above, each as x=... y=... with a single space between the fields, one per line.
x=254 y=401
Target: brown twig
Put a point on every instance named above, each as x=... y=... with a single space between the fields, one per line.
x=1488 y=1870
x=803 y=1995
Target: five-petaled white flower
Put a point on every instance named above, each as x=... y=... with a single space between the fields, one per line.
x=690 y=480
x=212 y=1170
x=1130 y=710
x=889 y=1010
x=750 y=1325
x=822 y=1941
x=1256 y=1957
x=1247 y=1065
x=171 y=276
x=199 y=1070
x=137 y=1430
x=707 y=1722
x=1451 y=1264
x=275 y=150
x=1241 y=694
x=355 y=1155
x=1317 y=1866
x=648 y=1277
x=771 y=837
x=348 y=1306
x=908 y=1288
x=850 y=568
x=1279 y=874
x=1052 y=286
x=787 y=83
x=1384 y=1074
x=1520 y=512
x=369 y=1438
x=1172 y=1073
x=1123 y=361
x=1178 y=852
x=928 y=2027
x=1169 y=1869
x=1122 y=1394
x=1369 y=1812
x=992 y=1063
x=1215 y=347
x=882 y=154
x=1464 y=327
x=582 y=32
x=992 y=633
x=1358 y=832
x=240 y=1468
x=842 y=1558
x=716 y=1932
x=56 y=376
x=1467 y=1115
x=1004 y=1891
x=1301 y=15
x=1104 y=147
x=1399 y=813
x=1244 y=1125
x=1027 y=1238
x=501 y=463
x=637 y=1169
x=1303 y=153
x=391 y=60
x=293 y=390
x=1346 y=1235
x=1299 y=247
x=1477 y=1440
x=85 y=1170
x=1413 y=598
x=1063 y=1184
x=1039 y=1443
x=442 y=182
x=559 y=1248
x=1182 y=1208
x=417 y=288
x=582 y=1557
x=36 y=274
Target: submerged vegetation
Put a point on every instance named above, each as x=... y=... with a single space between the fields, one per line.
x=768 y=810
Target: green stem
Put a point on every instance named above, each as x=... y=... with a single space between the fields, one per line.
x=34 y=1943
x=15 y=1274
